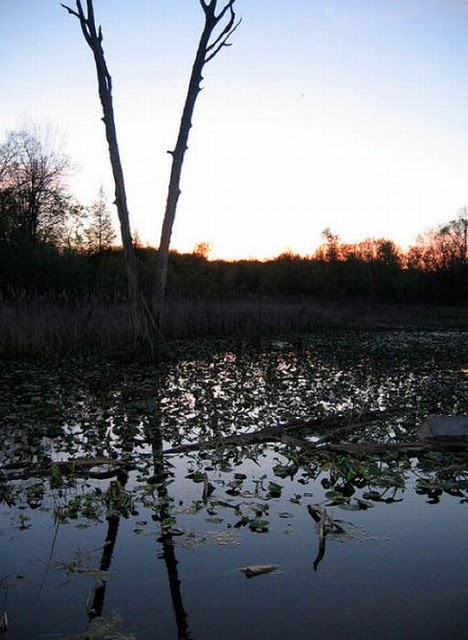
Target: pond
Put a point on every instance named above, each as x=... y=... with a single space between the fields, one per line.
x=260 y=487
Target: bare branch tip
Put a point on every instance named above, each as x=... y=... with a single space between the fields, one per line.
x=70 y=10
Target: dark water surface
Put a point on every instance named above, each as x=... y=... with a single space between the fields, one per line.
x=400 y=572
x=153 y=546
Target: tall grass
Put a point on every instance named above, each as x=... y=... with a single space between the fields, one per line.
x=40 y=326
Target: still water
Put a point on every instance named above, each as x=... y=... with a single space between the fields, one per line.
x=151 y=545
x=399 y=571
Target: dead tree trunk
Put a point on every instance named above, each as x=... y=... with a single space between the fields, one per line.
x=216 y=32
x=143 y=323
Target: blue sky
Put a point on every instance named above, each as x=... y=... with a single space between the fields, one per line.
x=348 y=114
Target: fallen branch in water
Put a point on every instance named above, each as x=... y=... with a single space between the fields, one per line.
x=76 y=466
x=329 y=432
x=324 y=524
x=334 y=426
x=364 y=448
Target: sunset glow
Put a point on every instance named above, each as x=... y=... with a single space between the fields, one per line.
x=347 y=115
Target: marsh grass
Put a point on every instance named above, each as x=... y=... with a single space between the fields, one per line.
x=50 y=327
x=45 y=327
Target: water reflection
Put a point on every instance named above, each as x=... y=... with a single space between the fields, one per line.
x=271 y=517
x=89 y=447
x=96 y=607
x=166 y=539
x=162 y=513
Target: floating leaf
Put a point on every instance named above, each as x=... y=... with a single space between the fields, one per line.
x=364 y=504
x=334 y=495
x=274 y=490
x=284 y=471
x=258 y=525
x=167 y=523
x=55 y=478
x=197 y=476
x=372 y=495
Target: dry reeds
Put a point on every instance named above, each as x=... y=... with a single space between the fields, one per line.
x=41 y=326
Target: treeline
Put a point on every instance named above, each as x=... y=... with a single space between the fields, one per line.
x=52 y=246
x=372 y=271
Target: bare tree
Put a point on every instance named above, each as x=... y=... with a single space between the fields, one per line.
x=33 y=194
x=143 y=324
x=70 y=236
x=220 y=23
x=456 y=234
x=444 y=248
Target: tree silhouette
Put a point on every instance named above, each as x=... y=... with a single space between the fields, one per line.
x=217 y=29
x=33 y=199
x=100 y=233
x=143 y=324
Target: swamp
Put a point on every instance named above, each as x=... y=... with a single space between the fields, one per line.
x=270 y=487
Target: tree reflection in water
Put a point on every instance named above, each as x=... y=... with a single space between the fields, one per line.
x=117 y=417
x=162 y=515
x=154 y=436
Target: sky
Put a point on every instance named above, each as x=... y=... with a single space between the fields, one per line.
x=343 y=114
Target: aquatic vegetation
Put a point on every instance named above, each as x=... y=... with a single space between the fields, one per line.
x=224 y=448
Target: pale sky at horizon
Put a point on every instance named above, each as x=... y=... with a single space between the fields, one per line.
x=348 y=114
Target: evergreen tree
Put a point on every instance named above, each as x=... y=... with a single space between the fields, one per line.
x=100 y=234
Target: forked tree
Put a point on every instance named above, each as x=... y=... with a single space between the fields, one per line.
x=220 y=23
x=144 y=328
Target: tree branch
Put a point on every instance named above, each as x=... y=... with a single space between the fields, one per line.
x=70 y=10
x=324 y=524
x=222 y=39
x=333 y=427
x=330 y=430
